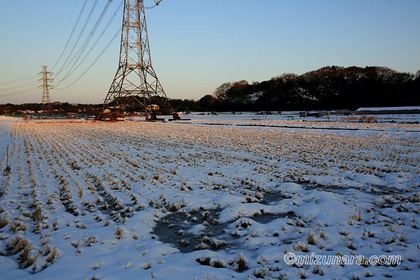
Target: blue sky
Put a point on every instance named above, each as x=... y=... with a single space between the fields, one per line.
x=197 y=45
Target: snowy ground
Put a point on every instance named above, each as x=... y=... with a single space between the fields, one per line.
x=296 y=116
x=216 y=197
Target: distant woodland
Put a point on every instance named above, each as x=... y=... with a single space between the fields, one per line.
x=327 y=88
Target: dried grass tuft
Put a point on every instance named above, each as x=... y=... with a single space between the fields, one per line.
x=54 y=255
x=241 y=262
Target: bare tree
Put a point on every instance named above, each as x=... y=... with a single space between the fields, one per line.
x=221 y=91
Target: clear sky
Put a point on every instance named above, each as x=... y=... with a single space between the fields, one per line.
x=197 y=45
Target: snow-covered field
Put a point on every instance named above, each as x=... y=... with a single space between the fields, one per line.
x=215 y=197
x=296 y=116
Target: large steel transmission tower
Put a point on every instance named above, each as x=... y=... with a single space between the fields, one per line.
x=46 y=100
x=135 y=84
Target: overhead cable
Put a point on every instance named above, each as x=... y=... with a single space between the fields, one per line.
x=99 y=37
x=18 y=80
x=70 y=37
x=62 y=35
x=13 y=93
x=75 y=61
x=22 y=85
x=94 y=62
x=66 y=63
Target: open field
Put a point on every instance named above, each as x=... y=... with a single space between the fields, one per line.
x=209 y=199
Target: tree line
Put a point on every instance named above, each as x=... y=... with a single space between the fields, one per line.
x=327 y=88
x=59 y=107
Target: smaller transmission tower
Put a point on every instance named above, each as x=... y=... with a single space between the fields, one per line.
x=46 y=100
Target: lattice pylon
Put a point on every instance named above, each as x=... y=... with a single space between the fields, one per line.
x=46 y=100
x=135 y=81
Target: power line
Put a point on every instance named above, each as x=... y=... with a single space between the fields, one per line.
x=18 y=80
x=78 y=54
x=19 y=86
x=71 y=35
x=14 y=93
x=157 y=2
x=94 y=62
x=75 y=65
x=65 y=65
x=64 y=32
x=100 y=36
x=26 y=87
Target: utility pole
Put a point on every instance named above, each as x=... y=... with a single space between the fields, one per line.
x=46 y=100
x=135 y=80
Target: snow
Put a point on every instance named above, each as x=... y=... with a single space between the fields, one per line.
x=215 y=197
x=401 y=108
